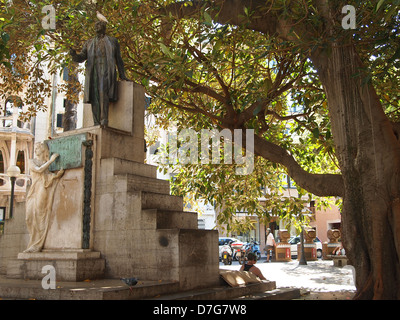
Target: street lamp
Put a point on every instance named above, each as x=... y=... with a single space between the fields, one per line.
x=13 y=172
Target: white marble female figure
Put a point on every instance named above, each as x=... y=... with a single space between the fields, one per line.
x=39 y=200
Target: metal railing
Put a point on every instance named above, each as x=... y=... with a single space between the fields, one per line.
x=10 y=123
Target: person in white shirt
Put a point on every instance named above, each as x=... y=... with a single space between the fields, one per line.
x=269 y=244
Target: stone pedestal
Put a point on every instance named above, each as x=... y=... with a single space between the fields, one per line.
x=283 y=252
x=121 y=115
x=70 y=265
x=112 y=216
x=332 y=244
x=310 y=248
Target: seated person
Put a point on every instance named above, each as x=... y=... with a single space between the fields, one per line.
x=339 y=250
x=250 y=266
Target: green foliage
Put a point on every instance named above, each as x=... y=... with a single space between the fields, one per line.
x=201 y=74
x=214 y=74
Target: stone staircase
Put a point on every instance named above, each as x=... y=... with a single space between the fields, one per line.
x=152 y=237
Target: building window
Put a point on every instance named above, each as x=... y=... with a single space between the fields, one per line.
x=21 y=161
x=287 y=182
x=21 y=165
x=201 y=223
x=9 y=109
x=2 y=217
x=2 y=182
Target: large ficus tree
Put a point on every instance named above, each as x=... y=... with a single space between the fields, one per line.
x=240 y=64
x=349 y=77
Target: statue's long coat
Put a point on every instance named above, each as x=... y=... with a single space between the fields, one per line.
x=113 y=54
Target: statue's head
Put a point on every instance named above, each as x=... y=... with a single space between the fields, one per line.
x=100 y=27
x=42 y=151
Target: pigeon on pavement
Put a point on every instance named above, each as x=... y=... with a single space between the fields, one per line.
x=130 y=282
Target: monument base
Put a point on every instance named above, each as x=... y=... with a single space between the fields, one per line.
x=70 y=265
x=283 y=252
x=121 y=210
x=327 y=249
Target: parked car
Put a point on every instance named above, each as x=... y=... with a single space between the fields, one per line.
x=236 y=244
x=295 y=240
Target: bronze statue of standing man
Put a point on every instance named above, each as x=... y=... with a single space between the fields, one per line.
x=102 y=54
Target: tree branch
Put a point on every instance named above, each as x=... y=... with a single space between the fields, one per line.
x=273 y=93
x=199 y=56
x=232 y=12
x=284 y=118
x=195 y=110
x=202 y=59
x=323 y=185
x=204 y=89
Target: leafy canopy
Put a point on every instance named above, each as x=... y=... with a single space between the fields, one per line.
x=201 y=74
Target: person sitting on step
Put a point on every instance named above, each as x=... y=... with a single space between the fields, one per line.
x=250 y=266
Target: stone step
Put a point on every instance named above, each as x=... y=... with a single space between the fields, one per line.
x=176 y=219
x=115 y=289
x=117 y=166
x=65 y=254
x=151 y=200
x=125 y=183
x=188 y=256
x=275 y=294
x=223 y=292
x=105 y=289
x=138 y=183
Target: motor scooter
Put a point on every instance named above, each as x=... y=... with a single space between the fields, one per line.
x=255 y=247
x=241 y=253
x=227 y=254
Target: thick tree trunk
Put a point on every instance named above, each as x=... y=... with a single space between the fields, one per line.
x=69 y=119
x=369 y=156
x=70 y=114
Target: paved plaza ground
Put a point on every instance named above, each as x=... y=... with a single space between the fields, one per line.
x=317 y=280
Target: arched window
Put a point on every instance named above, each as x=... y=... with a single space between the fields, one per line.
x=9 y=109
x=21 y=161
